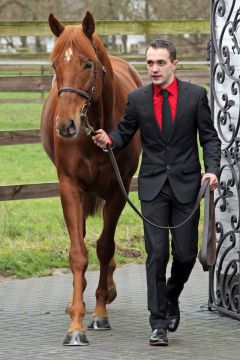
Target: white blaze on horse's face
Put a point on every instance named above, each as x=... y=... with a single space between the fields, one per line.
x=68 y=55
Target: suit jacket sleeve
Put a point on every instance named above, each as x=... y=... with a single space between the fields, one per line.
x=127 y=126
x=208 y=137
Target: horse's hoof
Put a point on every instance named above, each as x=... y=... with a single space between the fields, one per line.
x=76 y=338
x=99 y=323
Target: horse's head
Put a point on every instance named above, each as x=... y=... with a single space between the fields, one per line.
x=79 y=72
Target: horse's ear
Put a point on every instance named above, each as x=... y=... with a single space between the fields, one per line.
x=88 y=25
x=56 y=27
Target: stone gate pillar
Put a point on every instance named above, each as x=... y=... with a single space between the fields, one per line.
x=224 y=285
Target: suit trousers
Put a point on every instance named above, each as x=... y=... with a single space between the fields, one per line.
x=166 y=210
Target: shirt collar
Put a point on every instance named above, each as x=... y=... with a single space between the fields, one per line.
x=172 y=88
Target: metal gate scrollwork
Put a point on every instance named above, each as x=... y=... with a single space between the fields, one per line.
x=224 y=284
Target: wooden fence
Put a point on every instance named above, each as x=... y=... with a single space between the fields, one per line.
x=43 y=83
x=111 y=27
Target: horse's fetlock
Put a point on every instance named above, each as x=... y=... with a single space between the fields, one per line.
x=77 y=312
x=102 y=295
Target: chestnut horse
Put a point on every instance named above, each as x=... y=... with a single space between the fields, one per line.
x=94 y=86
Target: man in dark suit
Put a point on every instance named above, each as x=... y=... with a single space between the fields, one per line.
x=170 y=114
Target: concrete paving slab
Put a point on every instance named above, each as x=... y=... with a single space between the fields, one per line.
x=33 y=322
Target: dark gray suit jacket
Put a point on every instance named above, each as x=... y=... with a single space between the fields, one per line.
x=177 y=159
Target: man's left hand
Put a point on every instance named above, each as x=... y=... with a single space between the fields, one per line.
x=213 y=181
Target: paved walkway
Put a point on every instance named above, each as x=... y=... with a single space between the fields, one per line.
x=33 y=322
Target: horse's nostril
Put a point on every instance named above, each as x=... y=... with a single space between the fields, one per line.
x=68 y=130
x=71 y=128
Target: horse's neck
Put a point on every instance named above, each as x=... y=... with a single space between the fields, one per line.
x=101 y=111
x=108 y=101
x=105 y=107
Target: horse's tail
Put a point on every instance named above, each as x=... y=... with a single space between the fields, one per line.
x=92 y=204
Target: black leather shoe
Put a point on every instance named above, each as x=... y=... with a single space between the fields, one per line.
x=158 y=337
x=173 y=315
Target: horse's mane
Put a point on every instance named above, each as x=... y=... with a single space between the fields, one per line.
x=74 y=37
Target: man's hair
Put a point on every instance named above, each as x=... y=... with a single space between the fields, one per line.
x=164 y=44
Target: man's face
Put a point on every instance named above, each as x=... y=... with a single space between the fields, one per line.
x=159 y=66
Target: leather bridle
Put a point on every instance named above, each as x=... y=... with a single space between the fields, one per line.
x=87 y=94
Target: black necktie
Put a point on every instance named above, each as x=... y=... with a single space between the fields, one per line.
x=166 y=115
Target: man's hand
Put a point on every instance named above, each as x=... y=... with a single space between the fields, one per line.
x=101 y=139
x=213 y=181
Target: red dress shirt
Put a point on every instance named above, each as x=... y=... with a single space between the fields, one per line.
x=158 y=99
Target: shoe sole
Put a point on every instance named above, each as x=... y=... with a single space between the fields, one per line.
x=159 y=344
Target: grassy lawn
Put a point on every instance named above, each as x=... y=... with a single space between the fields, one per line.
x=17 y=95
x=33 y=236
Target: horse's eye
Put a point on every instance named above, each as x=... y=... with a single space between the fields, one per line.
x=87 y=65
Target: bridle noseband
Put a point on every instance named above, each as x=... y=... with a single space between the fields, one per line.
x=88 y=95
x=73 y=90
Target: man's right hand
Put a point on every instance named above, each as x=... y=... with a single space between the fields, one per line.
x=101 y=139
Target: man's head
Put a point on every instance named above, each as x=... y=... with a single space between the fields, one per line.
x=161 y=57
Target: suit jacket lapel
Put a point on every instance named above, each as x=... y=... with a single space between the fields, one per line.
x=181 y=104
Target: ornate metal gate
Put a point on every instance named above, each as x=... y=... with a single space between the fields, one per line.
x=224 y=284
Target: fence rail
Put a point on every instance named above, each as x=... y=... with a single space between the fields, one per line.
x=20 y=137
x=111 y=27
x=37 y=191
x=43 y=83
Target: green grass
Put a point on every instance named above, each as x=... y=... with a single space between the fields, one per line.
x=25 y=164
x=34 y=239
x=33 y=235
x=19 y=95
x=20 y=116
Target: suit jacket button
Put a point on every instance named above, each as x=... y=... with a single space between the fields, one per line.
x=168 y=167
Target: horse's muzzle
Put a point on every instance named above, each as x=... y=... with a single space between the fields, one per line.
x=67 y=130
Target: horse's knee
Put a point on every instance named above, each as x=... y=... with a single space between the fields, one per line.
x=78 y=260
x=105 y=250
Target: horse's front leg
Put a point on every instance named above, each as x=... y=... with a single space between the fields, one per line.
x=106 y=291
x=72 y=203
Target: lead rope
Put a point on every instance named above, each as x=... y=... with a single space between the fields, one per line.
x=203 y=189
x=207 y=253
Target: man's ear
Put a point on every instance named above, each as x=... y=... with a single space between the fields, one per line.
x=55 y=25
x=88 y=25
